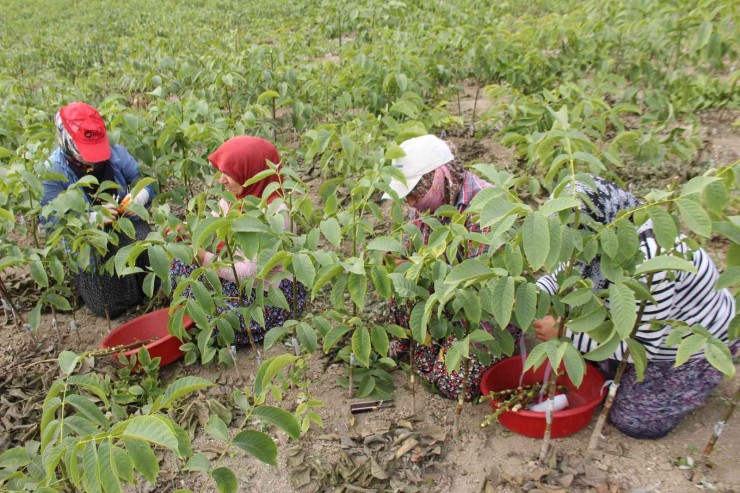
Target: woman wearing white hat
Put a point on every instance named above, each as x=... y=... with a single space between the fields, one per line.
x=434 y=177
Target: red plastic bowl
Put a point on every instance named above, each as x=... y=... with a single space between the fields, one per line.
x=581 y=400
x=143 y=328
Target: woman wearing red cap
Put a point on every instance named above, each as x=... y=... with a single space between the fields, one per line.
x=84 y=150
x=239 y=159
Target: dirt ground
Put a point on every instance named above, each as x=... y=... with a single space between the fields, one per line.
x=344 y=457
x=481 y=459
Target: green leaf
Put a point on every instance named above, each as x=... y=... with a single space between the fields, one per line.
x=730 y=277
x=332 y=231
x=325 y=274
x=719 y=356
x=307 y=336
x=536 y=357
x=664 y=227
x=107 y=468
x=203 y=297
x=196 y=312
x=695 y=217
x=280 y=418
x=58 y=301
x=159 y=262
x=381 y=281
x=367 y=385
x=578 y=297
x=471 y=305
x=689 y=347
x=361 y=346
x=379 y=338
x=622 y=308
x=574 y=365
x=639 y=357
x=588 y=321
x=629 y=240
x=606 y=349
x=143 y=458
x=180 y=388
x=90 y=472
x=525 y=305
x=609 y=242
x=385 y=244
x=152 y=429
x=225 y=480
x=304 y=269
x=503 y=300
x=39 y=274
x=663 y=263
x=536 y=237
x=217 y=429
x=89 y=410
x=123 y=464
x=469 y=270
x=357 y=289
x=333 y=336
x=455 y=354
x=257 y=444
x=198 y=463
x=418 y=329
x=268 y=369
x=559 y=204
x=68 y=361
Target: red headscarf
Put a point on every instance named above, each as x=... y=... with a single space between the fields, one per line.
x=243 y=157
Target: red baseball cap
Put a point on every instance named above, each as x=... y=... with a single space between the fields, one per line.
x=87 y=129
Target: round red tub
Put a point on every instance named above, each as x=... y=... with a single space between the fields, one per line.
x=581 y=400
x=145 y=327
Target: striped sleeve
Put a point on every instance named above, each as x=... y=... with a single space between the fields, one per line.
x=651 y=337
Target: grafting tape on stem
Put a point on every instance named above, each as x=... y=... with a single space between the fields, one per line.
x=613 y=389
x=548 y=412
x=296 y=346
x=719 y=428
x=352 y=359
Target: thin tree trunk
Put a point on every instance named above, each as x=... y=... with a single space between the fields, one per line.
x=593 y=443
x=461 y=400
x=718 y=429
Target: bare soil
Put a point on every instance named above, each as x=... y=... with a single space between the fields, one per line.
x=342 y=456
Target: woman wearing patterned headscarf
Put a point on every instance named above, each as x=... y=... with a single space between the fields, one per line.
x=238 y=160
x=84 y=150
x=435 y=177
x=653 y=407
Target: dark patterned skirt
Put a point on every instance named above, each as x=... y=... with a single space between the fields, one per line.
x=118 y=293
x=654 y=407
x=274 y=316
x=429 y=360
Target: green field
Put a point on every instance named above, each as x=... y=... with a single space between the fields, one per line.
x=534 y=94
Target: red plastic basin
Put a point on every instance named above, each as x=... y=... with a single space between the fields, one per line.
x=581 y=400
x=145 y=327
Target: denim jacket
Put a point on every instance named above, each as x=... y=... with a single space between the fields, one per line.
x=125 y=172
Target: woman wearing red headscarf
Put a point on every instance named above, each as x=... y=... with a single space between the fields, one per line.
x=239 y=159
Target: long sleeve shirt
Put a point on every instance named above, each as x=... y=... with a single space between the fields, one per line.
x=245 y=268
x=691 y=298
x=125 y=173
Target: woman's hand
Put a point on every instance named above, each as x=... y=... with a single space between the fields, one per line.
x=546 y=328
x=178 y=232
x=200 y=256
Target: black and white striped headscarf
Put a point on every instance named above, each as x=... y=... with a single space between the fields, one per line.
x=605 y=204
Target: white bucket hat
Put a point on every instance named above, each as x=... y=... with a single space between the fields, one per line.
x=423 y=155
